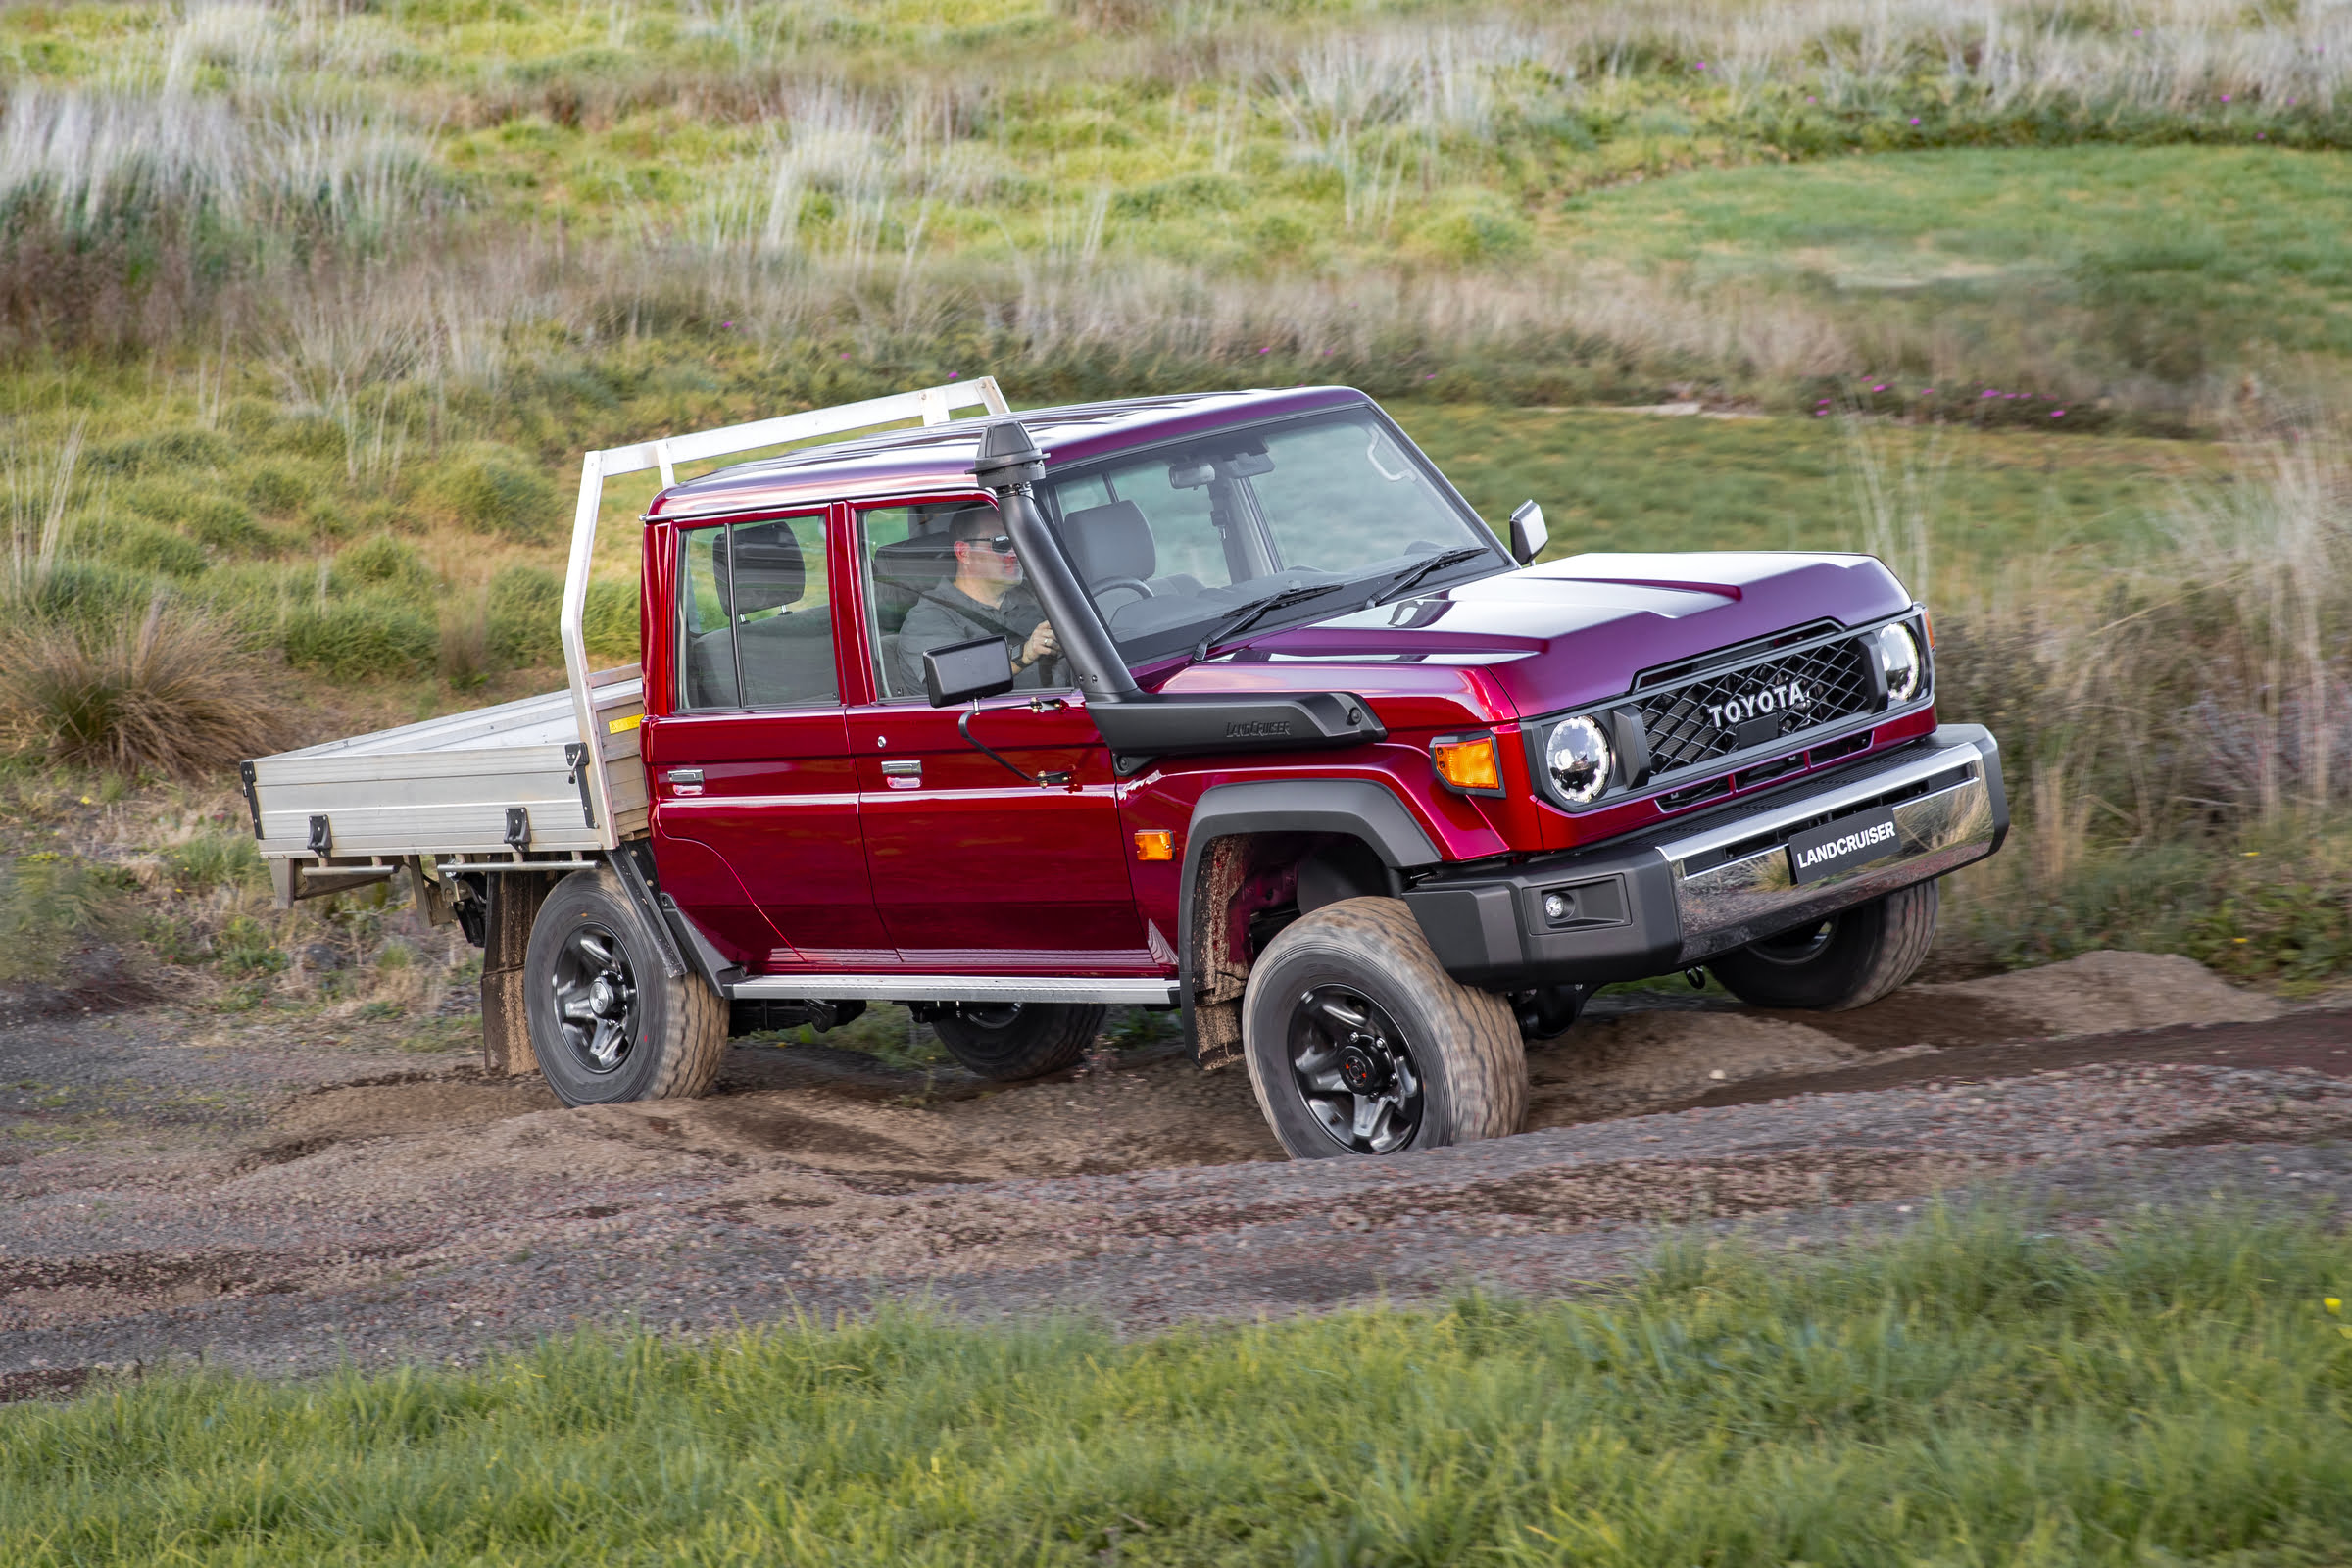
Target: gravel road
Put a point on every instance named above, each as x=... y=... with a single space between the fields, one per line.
x=175 y=1186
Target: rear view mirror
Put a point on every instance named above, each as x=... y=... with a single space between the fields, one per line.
x=1528 y=533
x=962 y=672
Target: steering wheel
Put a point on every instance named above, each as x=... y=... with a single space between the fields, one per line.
x=1136 y=583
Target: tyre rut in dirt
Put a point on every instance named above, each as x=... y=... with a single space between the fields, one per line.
x=1360 y=1043
x=1851 y=960
x=608 y=1024
x=1015 y=1040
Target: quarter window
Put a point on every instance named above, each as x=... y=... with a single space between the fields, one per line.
x=755 y=617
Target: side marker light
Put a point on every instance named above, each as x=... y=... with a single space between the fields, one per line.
x=1154 y=844
x=1468 y=763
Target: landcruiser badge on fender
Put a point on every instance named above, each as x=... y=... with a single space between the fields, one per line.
x=1842 y=845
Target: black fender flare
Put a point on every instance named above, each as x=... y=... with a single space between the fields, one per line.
x=1358 y=807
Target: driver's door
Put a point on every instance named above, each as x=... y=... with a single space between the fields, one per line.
x=975 y=871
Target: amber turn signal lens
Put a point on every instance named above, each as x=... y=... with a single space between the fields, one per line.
x=1468 y=764
x=1154 y=844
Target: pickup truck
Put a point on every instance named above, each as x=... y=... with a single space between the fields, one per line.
x=1225 y=702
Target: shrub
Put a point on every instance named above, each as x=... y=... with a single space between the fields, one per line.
x=220 y=521
x=276 y=489
x=169 y=692
x=163 y=452
x=388 y=565
x=144 y=547
x=214 y=859
x=51 y=904
x=524 y=612
x=498 y=492
x=368 y=635
x=609 y=621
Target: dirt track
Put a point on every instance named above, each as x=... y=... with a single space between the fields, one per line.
x=284 y=1204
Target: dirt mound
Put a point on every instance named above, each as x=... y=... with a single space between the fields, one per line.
x=2102 y=993
x=1606 y=1066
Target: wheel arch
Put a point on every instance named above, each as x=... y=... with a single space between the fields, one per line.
x=1354 y=830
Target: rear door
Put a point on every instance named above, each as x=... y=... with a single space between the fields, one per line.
x=755 y=800
x=975 y=871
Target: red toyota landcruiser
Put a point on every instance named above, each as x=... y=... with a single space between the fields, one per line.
x=1231 y=704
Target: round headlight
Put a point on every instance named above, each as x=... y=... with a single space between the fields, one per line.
x=1899 y=656
x=1578 y=754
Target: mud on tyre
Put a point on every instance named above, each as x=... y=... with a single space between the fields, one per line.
x=608 y=1023
x=1360 y=1043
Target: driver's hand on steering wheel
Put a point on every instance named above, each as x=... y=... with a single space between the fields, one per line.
x=1041 y=645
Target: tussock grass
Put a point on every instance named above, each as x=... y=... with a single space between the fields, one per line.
x=170 y=692
x=1981 y=1390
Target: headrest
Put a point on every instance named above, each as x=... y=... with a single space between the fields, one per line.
x=917 y=565
x=1109 y=541
x=766 y=561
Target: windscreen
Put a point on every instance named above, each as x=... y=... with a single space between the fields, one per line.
x=1173 y=541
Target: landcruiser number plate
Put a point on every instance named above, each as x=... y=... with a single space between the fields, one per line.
x=1841 y=846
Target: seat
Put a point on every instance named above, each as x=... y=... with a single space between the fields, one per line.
x=785 y=658
x=1109 y=542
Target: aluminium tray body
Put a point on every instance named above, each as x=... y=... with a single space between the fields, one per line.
x=448 y=787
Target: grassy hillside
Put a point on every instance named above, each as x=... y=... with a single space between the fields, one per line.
x=1978 y=1392
x=307 y=312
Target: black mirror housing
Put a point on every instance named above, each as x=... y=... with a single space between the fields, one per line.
x=963 y=673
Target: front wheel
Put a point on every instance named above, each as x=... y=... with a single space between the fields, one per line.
x=607 y=1022
x=1853 y=958
x=1360 y=1043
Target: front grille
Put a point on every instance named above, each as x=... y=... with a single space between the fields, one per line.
x=1719 y=715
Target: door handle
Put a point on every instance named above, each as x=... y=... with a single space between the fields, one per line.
x=905 y=774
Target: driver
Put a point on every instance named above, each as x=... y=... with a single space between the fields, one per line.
x=987 y=595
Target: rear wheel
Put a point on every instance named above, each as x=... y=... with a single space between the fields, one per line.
x=1359 y=1042
x=608 y=1023
x=1853 y=958
x=1012 y=1039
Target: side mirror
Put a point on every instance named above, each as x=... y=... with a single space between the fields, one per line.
x=1528 y=533
x=962 y=672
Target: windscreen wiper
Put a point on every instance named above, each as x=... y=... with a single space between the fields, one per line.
x=1413 y=574
x=1252 y=612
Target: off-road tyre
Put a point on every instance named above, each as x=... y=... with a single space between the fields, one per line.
x=674 y=1029
x=1012 y=1041
x=1851 y=960
x=1367 y=958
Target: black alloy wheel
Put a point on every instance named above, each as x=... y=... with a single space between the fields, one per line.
x=595 y=999
x=1355 y=1070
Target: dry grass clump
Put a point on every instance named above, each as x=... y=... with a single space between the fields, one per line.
x=171 y=692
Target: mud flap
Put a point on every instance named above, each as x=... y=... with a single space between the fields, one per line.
x=515 y=900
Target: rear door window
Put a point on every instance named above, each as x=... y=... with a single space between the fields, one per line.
x=755 y=616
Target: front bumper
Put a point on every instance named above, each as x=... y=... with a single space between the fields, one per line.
x=1684 y=893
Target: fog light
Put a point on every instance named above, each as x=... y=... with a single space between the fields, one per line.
x=1899 y=656
x=1558 y=906
x=1578 y=755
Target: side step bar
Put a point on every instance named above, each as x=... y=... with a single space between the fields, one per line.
x=1124 y=993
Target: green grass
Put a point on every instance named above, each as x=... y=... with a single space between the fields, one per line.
x=2047 y=268
x=1978 y=1392
x=1623 y=481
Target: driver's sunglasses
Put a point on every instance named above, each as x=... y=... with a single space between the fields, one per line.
x=1001 y=544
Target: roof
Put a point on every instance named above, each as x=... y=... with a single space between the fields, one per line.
x=932 y=459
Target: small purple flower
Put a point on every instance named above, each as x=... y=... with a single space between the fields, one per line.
x=1878 y=389
x=1927 y=391
x=1809 y=98
x=952 y=375
x=2262 y=135
x=1915 y=119
x=1702 y=65
x=1266 y=350
x=2057 y=414
x=2224 y=97
x=1990 y=393
x=726 y=324
x=845 y=354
